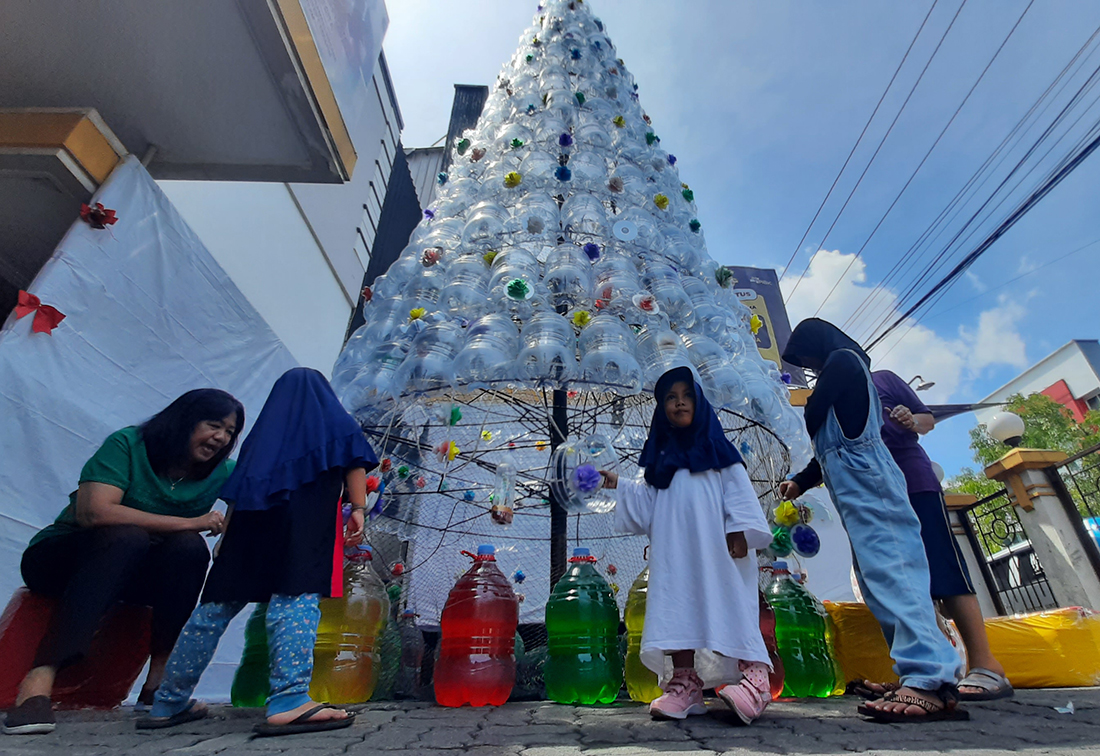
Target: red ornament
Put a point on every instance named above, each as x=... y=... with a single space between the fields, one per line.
x=612 y=569
x=97 y=216
x=373 y=481
x=367 y=294
x=386 y=465
x=420 y=482
x=46 y=318
x=398 y=569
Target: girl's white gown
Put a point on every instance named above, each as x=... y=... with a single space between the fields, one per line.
x=699 y=597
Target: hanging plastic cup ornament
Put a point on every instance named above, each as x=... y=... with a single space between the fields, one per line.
x=805 y=541
x=502 y=510
x=781 y=542
x=575 y=477
x=786 y=514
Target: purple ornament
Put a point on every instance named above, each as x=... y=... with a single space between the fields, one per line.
x=672 y=160
x=586 y=479
x=785 y=377
x=565 y=140
x=592 y=250
x=429 y=214
x=805 y=541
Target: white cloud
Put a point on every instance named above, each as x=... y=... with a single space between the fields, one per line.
x=977 y=283
x=912 y=349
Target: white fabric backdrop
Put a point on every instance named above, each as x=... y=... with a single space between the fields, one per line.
x=149 y=315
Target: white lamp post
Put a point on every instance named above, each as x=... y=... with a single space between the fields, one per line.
x=938 y=470
x=1006 y=427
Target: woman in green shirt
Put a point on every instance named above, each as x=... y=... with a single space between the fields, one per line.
x=131 y=532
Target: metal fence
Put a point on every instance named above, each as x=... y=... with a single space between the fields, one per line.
x=1077 y=483
x=1010 y=567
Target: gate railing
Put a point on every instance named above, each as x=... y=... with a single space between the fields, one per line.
x=1076 y=480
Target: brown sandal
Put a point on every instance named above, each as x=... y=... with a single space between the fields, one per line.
x=947 y=711
x=865 y=689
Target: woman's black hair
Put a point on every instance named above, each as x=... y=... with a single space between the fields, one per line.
x=167 y=434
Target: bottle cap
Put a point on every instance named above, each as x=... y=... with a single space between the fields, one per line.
x=580 y=551
x=485 y=548
x=779 y=566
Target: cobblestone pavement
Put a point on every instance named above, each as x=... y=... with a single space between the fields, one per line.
x=1027 y=724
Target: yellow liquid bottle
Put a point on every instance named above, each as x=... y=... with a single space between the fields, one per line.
x=641 y=682
x=345 y=657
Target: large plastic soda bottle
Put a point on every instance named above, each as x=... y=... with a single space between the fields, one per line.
x=641 y=682
x=345 y=658
x=582 y=625
x=412 y=656
x=767 y=630
x=251 y=681
x=477 y=664
x=800 y=634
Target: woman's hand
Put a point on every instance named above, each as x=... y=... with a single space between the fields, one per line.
x=789 y=490
x=610 y=479
x=213 y=521
x=353 y=531
x=737 y=545
x=903 y=417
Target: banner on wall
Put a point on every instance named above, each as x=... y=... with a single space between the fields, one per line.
x=758 y=289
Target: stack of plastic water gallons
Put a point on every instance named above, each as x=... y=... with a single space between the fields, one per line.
x=562 y=250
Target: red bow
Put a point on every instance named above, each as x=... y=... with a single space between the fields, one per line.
x=97 y=216
x=46 y=318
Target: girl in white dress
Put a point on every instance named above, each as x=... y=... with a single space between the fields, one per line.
x=704 y=523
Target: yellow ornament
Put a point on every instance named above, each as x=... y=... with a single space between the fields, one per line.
x=755 y=323
x=787 y=514
x=661 y=201
x=581 y=318
x=417 y=313
x=452 y=451
x=486 y=435
x=512 y=179
x=489 y=256
x=619 y=121
x=541 y=445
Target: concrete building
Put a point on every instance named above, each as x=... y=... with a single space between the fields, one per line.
x=1070 y=376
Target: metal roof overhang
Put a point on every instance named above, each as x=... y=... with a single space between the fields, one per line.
x=219 y=89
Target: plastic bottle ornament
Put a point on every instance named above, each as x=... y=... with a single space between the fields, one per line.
x=647 y=303
x=581 y=318
x=612 y=569
x=580 y=98
x=592 y=250
x=455 y=415
x=651 y=138
x=781 y=544
x=367 y=294
x=515 y=144
x=403 y=472
x=661 y=201
x=386 y=465
x=519 y=290
x=512 y=179
x=447 y=451
x=619 y=121
x=565 y=140
x=486 y=435
x=694 y=225
x=462 y=146
x=468 y=495
x=477 y=153
x=431 y=256
x=397 y=569
x=421 y=482
x=504 y=494
x=786 y=514
x=805 y=541
x=614 y=588
x=441 y=178
x=375 y=484
x=574 y=473
x=755 y=324
x=562 y=173
x=687 y=194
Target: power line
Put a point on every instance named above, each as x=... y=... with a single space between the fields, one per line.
x=866 y=126
x=877 y=150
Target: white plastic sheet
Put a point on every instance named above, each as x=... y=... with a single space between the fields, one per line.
x=149 y=315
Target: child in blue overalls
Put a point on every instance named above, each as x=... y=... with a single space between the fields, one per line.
x=844 y=420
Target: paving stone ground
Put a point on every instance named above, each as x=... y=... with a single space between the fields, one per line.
x=1027 y=724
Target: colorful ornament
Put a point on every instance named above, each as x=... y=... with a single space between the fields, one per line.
x=786 y=377
x=586 y=479
x=468 y=495
x=580 y=98
x=518 y=289
x=516 y=143
x=646 y=302
x=592 y=250
x=431 y=256
x=755 y=324
x=367 y=294
x=581 y=318
x=575 y=54
x=417 y=313
x=694 y=225
x=781 y=544
x=614 y=588
x=46 y=318
x=650 y=137
x=403 y=472
x=661 y=201
x=374 y=483
x=565 y=140
x=441 y=178
x=512 y=179
x=520 y=597
x=376 y=510
x=619 y=121
x=462 y=146
x=519 y=576
x=805 y=541
x=535 y=42
x=97 y=216
x=612 y=569
x=456 y=414
x=447 y=451
x=421 y=482
x=477 y=154
x=672 y=160
x=386 y=465
x=489 y=256
x=531 y=109
x=397 y=569
x=615 y=184
x=688 y=195
x=486 y=435
x=542 y=445
x=786 y=514
x=723 y=276
x=562 y=173
x=429 y=214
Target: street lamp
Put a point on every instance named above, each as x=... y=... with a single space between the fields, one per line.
x=923 y=385
x=1006 y=427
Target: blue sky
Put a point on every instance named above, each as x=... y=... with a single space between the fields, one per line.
x=762 y=102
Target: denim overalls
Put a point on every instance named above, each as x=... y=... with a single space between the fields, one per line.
x=869 y=492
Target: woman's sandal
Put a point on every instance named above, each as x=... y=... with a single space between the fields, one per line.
x=194 y=711
x=992 y=686
x=946 y=711
x=870 y=691
x=304 y=724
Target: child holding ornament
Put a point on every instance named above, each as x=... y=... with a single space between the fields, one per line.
x=283 y=545
x=704 y=523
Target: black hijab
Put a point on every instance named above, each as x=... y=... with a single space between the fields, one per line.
x=841 y=380
x=701 y=446
x=819 y=339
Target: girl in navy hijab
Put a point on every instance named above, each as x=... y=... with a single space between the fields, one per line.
x=283 y=546
x=697 y=505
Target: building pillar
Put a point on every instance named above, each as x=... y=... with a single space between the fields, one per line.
x=1053 y=535
x=975 y=561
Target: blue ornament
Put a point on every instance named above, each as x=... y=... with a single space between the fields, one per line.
x=441 y=177
x=592 y=250
x=786 y=378
x=562 y=173
x=672 y=160
x=805 y=541
x=519 y=577
x=468 y=496
x=575 y=54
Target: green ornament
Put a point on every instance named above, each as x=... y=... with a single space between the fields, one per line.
x=403 y=472
x=580 y=98
x=723 y=276
x=393 y=590
x=456 y=414
x=688 y=195
x=516 y=144
x=529 y=57
x=694 y=225
x=463 y=145
x=518 y=289
x=781 y=542
x=651 y=138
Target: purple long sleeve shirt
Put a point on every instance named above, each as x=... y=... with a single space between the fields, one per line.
x=904 y=444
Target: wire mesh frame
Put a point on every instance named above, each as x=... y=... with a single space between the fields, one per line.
x=440 y=504
x=1011 y=568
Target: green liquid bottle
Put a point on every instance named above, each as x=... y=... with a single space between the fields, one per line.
x=582 y=624
x=641 y=682
x=800 y=632
x=252 y=680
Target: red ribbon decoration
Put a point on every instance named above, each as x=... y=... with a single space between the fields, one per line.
x=46 y=318
x=97 y=216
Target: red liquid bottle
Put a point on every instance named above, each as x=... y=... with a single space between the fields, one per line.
x=767 y=629
x=477 y=663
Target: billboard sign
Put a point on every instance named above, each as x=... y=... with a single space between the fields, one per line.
x=758 y=289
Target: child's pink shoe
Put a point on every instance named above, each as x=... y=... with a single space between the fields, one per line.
x=683 y=697
x=752 y=695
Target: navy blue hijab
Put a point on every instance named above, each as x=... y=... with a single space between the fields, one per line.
x=701 y=446
x=302 y=432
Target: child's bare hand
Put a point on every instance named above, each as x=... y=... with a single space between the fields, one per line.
x=737 y=545
x=610 y=479
x=353 y=531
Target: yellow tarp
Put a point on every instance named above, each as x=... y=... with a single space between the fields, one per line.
x=1053 y=649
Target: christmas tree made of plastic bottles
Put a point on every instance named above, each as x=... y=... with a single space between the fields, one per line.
x=562 y=253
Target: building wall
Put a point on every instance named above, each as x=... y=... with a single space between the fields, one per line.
x=1077 y=364
x=425 y=164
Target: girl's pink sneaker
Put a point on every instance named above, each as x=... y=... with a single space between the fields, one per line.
x=751 y=695
x=683 y=697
